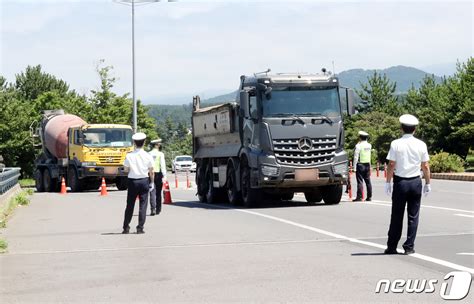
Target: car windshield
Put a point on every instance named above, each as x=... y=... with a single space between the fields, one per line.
x=184 y=158
x=108 y=137
x=302 y=101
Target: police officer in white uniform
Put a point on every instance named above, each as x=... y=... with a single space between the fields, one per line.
x=406 y=156
x=159 y=167
x=362 y=157
x=140 y=181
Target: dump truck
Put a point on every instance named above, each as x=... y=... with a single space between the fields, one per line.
x=283 y=134
x=82 y=153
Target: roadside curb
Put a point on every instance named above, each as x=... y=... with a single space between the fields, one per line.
x=453 y=176
x=4 y=198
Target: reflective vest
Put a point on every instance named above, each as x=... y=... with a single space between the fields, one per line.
x=364 y=152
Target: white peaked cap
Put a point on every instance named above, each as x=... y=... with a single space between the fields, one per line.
x=156 y=141
x=139 y=136
x=408 y=120
x=362 y=133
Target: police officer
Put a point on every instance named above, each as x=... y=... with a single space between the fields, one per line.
x=159 y=167
x=362 y=166
x=140 y=181
x=405 y=157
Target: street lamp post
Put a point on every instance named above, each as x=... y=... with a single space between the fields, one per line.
x=132 y=3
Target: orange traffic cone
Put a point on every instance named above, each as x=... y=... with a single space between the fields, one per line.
x=63 y=186
x=167 y=192
x=103 y=188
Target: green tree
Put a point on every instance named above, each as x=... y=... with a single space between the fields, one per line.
x=31 y=83
x=378 y=94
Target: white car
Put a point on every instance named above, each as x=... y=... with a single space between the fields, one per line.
x=183 y=163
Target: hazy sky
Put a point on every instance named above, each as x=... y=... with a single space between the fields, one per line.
x=203 y=47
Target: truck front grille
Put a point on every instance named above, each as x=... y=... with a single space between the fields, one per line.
x=110 y=159
x=288 y=152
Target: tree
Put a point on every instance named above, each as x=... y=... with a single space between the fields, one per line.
x=33 y=82
x=378 y=94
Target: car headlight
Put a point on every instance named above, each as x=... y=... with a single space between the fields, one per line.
x=340 y=169
x=269 y=170
x=86 y=164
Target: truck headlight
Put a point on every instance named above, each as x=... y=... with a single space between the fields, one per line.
x=88 y=164
x=269 y=170
x=340 y=169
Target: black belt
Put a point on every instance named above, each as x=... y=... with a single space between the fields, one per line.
x=399 y=178
x=363 y=163
x=137 y=179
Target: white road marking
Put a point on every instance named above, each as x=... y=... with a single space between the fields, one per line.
x=346 y=238
x=465 y=215
x=389 y=204
x=465 y=253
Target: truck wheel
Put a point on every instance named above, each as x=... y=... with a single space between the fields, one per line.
x=250 y=196
x=121 y=183
x=314 y=196
x=39 y=184
x=287 y=196
x=201 y=183
x=47 y=181
x=332 y=194
x=212 y=193
x=232 y=194
x=73 y=180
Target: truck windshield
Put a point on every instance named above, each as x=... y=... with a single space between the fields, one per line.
x=108 y=137
x=302 y=101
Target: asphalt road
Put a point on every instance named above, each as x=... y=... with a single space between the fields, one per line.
x=69 y=249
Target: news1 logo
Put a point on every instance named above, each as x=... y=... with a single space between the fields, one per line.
x=455 y=289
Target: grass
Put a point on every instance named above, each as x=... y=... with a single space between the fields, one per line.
x=3 y=246
x=21 y=199
x=27 y=183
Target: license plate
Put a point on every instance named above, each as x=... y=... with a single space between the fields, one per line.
x=110 y=170
x=306 y=174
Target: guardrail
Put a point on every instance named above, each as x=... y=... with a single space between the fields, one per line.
x=8 y=178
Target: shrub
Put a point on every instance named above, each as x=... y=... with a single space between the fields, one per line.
x=3 y=246
x=445 y=162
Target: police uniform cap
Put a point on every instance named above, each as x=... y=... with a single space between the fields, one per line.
x=362 y=133
x=156 y=141
x=408 y=120
x=139 y=136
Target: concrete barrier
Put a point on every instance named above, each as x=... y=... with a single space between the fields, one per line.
x=466 y=176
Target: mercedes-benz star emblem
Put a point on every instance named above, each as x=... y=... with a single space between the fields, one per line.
x=305 y=144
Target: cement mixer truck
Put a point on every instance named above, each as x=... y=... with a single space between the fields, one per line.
x=82 y=153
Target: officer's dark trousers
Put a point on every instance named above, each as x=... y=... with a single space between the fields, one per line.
x=155 y=195
x=136 y=187
x=363 y=174
x=406 y=191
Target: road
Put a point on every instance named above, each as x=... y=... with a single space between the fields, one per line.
x=69 y=249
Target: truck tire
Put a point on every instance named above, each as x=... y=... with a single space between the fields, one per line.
x=250 y=196
x=201 y=183
x=48 y=182
x=314 y=196
x=121 y=183
x=39 y=184
x=332 y=194
x=233 y=195
x=73 y=180
x=287 y=196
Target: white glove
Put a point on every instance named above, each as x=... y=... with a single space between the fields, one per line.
x=388 y=189
x=426 y=189
x=151 y=187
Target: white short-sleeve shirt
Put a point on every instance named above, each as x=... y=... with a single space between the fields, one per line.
x=408 y=153
x=139 y=162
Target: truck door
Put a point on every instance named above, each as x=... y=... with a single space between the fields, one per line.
x=251 y=125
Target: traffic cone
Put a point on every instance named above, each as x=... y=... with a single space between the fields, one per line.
x=167 y=193
x=63 y=186
x=103 y=188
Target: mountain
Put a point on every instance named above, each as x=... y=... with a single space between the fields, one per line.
x=404 y=76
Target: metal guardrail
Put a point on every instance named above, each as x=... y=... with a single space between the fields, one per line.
x=8 y=178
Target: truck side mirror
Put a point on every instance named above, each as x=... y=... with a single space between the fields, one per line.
x=244 y=103
x=350 y=96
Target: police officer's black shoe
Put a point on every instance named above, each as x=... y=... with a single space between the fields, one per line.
x=409 y=251
x=153 y=212
x=140 y=231
x=368 y=199
x=390 y=251
x=357 y=200
x=126 y=230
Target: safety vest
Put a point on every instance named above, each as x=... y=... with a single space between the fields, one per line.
x=157 y=163
x=364 y=154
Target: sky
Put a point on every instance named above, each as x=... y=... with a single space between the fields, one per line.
x=202 y=47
